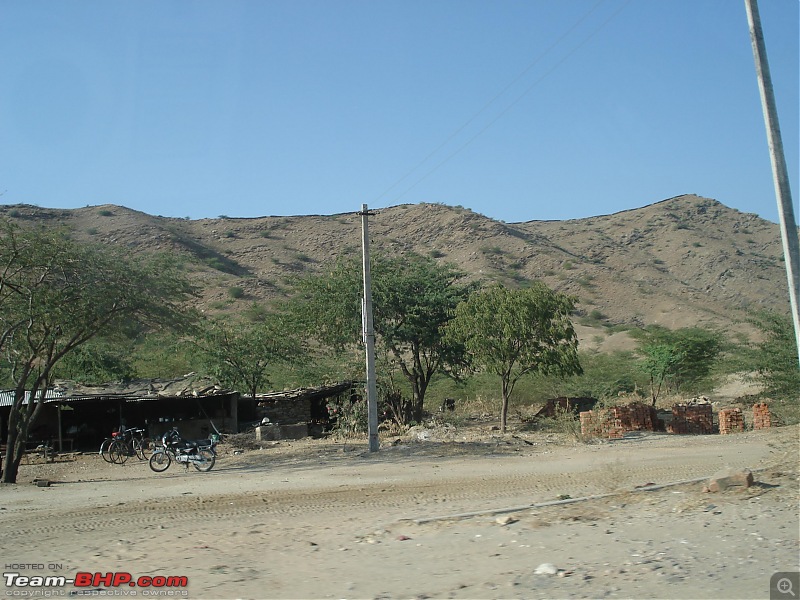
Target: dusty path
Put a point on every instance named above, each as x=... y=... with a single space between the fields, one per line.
x=321 y=520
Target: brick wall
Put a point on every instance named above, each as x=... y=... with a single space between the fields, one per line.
x=731 y=420
x=600 y=423
x=692 y=418
x=615 y=421
x=761 y=417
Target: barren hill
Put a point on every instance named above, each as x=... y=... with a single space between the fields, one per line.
x=683 y=261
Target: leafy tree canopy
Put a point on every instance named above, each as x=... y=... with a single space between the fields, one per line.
x=681 y=358
x=413 y=297
x=57 y=294
x=241 y=355
x=513 y=332
x=776 y=358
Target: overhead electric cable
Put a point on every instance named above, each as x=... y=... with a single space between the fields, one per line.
x=493 y=99
x=510 y=106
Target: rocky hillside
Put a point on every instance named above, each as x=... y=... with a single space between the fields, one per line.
x=683 y=261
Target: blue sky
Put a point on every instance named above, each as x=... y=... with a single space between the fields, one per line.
x=517 y=109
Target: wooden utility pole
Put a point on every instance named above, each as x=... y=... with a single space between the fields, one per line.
x=369 y=335
x=780 y=175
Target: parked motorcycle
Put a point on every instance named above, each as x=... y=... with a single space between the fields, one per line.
x=201 y=454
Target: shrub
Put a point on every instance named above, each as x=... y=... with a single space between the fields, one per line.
x=349 y=416
x=566 y=422
x=235 y=292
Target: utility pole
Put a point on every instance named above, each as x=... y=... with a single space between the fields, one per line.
x=780 y=175
x=369 y=335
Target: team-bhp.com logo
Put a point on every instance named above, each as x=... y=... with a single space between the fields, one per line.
x=101 y=584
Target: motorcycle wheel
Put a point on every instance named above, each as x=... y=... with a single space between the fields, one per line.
x=207 y=460
x=160 y=461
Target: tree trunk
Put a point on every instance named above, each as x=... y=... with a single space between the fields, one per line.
x=504 y=406
x=417 y=401
x=15 y=449
x=20 y=419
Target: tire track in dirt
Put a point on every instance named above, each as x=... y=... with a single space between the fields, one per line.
x=406 y=498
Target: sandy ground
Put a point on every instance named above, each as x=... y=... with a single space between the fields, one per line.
x=320 y=519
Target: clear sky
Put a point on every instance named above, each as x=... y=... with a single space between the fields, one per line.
x=517 y=109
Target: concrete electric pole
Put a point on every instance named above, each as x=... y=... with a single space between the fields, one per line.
x=780 y=175
x=369 y=335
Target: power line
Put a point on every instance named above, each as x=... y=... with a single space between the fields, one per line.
x=498 y=95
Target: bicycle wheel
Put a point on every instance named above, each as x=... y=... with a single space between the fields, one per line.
x=119 y=451
x=148 y=446
x=142 y=448
x=207 y=460
x=160 y=461
x=104 y=447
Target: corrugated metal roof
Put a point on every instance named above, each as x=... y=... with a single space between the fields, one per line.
x=7 y=396
x=189 y=386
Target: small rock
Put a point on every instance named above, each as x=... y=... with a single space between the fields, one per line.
x=505 y=520
x=727 y=478
x=546 y=569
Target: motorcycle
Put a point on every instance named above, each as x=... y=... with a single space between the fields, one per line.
x=201 y=454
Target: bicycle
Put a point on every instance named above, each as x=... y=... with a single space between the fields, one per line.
x=126 y=443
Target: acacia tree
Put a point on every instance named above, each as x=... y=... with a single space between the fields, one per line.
x=659 y=362
x=775 y=358
x=57 y=294
x=678 y=359
x=241 y=354
x=513 y=332
x=414 y=297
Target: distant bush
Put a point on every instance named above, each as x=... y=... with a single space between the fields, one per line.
x=492 y=250
x=235 y=292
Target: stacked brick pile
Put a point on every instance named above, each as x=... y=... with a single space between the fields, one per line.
x=637 y=416
x=600 y=423
x=761 y=416
x=592 y=423
x=692 y=418
x=731 y=420
x=615 y=421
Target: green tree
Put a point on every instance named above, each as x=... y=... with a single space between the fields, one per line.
x=679 y=359
x=98 y=361
x=513 y=332
x=414 y=297
x=659 y=362
x=240 y=355
x=55 y=296
x=165 y=353
x=776 y=356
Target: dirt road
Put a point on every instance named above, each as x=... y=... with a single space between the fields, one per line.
x=317 y=519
